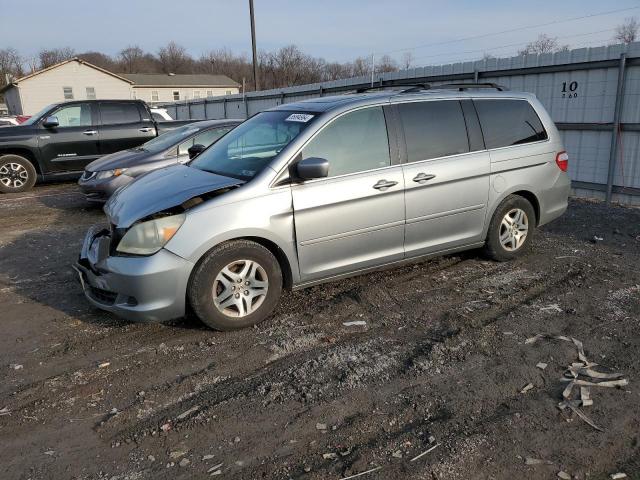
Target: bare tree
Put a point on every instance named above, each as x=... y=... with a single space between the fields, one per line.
x=132 y=59
x=407 y=60
x=10 y=65
x=175 y=59
x=627 y=32
x=543 y=44
x=360 y=67
x=386 y=64
x=99 y=60
x=487 y=56
x=55 y=55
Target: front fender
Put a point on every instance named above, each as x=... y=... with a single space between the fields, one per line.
x=268 y=217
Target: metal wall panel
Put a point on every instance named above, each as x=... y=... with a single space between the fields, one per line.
x=586 y=153
x=577 y=87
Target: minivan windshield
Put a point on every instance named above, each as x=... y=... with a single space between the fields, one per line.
x=169 y=139
x=249 y=148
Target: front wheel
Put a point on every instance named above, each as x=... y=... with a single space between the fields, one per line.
x=237 y=284
x=17 y=174
x=511 y=229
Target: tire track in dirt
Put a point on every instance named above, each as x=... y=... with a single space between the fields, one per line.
x=279 y=371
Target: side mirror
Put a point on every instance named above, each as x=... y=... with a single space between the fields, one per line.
x=312 y=167
x=51 y=122
x=196 y=150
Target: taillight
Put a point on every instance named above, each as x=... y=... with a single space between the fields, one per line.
x=562 y=159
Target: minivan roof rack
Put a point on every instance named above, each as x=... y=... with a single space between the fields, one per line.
x=412 y=86
x=465 y=86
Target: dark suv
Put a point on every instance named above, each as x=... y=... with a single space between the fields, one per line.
x=60 y=140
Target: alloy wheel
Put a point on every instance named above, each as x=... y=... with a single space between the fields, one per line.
x=513 y=229
x=240 y=288
x=13 y=175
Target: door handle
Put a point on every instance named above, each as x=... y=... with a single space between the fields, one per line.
x=384 y=184
x=423 y=177
x=90 y=132
x=146 y=129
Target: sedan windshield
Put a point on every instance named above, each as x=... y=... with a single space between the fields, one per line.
x=169 y=139
x=249 y=148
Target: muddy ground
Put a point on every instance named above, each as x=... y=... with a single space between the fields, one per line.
x=442 y=360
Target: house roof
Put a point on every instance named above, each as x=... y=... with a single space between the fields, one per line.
x=75 y=59
x=178 y=80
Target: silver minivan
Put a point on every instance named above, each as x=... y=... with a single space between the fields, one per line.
x=326 y=188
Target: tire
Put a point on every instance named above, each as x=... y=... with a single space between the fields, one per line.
x=210 y=289
x=520 y=211
x=17 y=174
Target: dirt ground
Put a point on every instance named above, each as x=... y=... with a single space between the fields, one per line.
x=441 y=360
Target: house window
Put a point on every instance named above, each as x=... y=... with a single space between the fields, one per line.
x=91 y=93
x=68 y=93
x=209 y=93
x=228 y=92
x=155 y=96
x=196 y=94
x=176 y=95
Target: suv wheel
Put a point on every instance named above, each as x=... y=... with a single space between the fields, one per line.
x=17 y=174
x=511 y=229
x=236 y=285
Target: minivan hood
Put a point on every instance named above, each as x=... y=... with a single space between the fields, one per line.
x=162 y=189
x=122 y=159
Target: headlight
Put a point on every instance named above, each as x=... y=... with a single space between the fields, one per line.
x=147 y=238
x=110 y=173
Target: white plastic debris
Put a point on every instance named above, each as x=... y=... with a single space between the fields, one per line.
x=541 y=365
x=585 y=369
x=355 y=323
x=526 y=388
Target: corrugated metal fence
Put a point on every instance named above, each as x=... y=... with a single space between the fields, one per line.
x=593 y=95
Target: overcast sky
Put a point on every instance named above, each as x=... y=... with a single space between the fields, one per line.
x=333 y=29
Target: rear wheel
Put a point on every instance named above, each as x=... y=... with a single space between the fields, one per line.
x=17 y=174
x=511 y=229
x=238 y=284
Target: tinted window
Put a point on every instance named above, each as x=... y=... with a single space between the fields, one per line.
x=115 y=113
x=78 y=115
x=354 y=142
x=204 y=138
x=157 y=117
x=509 y=122
x=433 y=129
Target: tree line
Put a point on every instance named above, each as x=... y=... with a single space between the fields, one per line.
x=285 y=67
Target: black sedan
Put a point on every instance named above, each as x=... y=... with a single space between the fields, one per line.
x=104 y=176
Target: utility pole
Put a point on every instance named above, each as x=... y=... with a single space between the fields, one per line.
x=256 y=82
x=373 y=66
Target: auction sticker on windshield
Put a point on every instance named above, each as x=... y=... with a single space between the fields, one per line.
x=298 y=117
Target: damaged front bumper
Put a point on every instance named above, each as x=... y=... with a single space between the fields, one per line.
x=140 y=289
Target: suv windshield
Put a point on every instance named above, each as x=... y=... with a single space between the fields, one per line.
x=169 y=139
x=34 y=118
x=249 y=148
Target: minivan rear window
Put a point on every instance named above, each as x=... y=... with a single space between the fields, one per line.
x=509 y=122
x=433 y=129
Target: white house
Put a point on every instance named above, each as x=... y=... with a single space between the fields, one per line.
x=76 y=79
x=70 y=80
x=157 y=87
